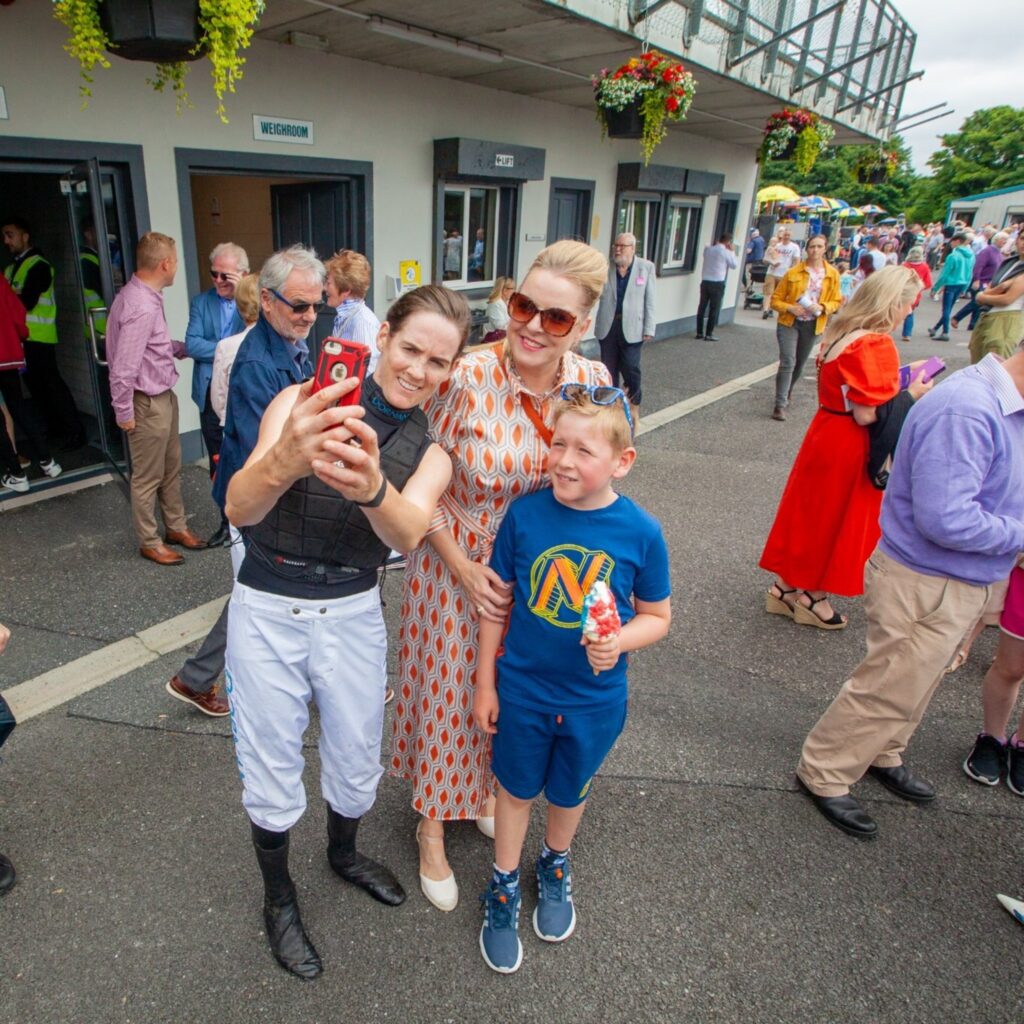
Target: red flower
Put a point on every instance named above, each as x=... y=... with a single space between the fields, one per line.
x=671 y=103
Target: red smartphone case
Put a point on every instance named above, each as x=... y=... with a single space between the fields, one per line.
x=339 y=360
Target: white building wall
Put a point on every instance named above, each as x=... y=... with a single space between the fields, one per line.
x=361 y=111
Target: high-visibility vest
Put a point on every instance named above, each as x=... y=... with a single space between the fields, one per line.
x=93 y=299
x=42 y=317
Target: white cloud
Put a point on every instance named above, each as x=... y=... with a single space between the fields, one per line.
x=965 y=64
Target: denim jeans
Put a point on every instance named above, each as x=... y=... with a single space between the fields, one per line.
x=795 y=344
x=950 y=293
x=908 y=325
x=969 y=308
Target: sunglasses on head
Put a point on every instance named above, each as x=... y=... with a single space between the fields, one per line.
x=219 y=276
x=601 y=394
x=556 y=322
x=297 y=307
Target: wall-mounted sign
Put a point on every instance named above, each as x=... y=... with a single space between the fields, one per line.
x=282 y=129
x=534 y=238
x=3 y=104
x=409 y=272
x=504 y=160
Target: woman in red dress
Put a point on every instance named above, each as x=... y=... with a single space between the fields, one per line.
x=827 y=522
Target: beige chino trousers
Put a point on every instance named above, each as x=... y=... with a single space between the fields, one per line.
x=915 y=623
x=156 y=467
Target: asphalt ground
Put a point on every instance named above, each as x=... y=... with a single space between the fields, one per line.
x=707 y=888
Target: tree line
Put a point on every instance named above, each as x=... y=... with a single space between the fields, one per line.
x=986 y=153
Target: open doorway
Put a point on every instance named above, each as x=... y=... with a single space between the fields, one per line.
x=78 y=219
x=264 y=203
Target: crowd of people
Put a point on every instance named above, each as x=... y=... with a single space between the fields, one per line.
x=906 y=495
x=493 y=472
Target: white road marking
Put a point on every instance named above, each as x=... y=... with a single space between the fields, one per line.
x=66 y=682
x=651 y=421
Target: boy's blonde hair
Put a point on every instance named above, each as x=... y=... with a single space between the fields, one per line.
x=610 y=419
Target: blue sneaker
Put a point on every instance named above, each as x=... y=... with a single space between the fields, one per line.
x=499 y=936
x=555 y=917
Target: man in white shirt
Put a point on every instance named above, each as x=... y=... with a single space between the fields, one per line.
x=719 y=259
x=789 y=252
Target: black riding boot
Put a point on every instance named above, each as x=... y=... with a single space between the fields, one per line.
x=376 y=879
x=7 y=876
x=288 y=940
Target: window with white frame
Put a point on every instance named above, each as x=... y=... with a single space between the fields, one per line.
x=639 y=217
x=469 y=234
x=682 y=230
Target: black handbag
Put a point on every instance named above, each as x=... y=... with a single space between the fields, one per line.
x=7 y=720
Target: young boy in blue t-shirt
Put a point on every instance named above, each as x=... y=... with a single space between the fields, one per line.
x=555 y=701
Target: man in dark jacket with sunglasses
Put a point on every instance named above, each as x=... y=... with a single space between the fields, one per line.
x=212 y=316
x=625 y=316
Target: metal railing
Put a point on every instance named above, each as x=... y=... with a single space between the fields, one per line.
x=850 y=60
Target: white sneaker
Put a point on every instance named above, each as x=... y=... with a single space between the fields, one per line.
x=51 y=468
x=15 y=483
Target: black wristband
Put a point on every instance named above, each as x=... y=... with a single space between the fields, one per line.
x=378 y=499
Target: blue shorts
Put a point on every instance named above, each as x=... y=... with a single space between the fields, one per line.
x=559 y=754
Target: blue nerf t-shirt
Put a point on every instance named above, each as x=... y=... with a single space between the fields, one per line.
x=552 y=554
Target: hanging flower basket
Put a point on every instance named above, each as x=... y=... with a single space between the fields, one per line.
x=877 y=166
x=165 y=32
x=160 y=31
x=796 y=134
x=636 y=100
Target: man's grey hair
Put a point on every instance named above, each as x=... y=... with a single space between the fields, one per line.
x=1000 y=238
x=236 y=252
x=278 y=267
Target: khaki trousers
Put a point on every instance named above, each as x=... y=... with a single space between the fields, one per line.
x=914 y=625
x=156 y=466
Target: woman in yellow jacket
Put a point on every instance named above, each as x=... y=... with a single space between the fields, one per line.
x=804 y=299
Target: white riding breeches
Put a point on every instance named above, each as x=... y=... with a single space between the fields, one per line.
x=281 y=653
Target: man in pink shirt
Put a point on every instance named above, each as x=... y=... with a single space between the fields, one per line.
x=141 y=355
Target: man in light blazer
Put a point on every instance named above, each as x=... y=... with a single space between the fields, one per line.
x=625 y=316
x=212 y=316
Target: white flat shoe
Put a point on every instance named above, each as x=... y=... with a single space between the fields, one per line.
x=486 y=825
x=444 y=894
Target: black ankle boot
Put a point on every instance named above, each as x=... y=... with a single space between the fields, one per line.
x=7 y=876
x=376 y=879
x=288 y=940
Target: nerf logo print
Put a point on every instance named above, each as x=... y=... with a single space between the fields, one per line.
x=560 y=579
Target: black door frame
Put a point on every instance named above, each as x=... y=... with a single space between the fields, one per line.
x=575 y=185
x=216 y=161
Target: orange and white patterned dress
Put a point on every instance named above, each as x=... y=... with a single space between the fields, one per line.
x=477 y=416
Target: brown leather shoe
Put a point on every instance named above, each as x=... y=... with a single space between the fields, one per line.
x=186 y=538
x=779 y=413
x=162 y=555
x=211 y=703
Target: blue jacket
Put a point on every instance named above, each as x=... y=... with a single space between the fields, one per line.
x=201 y=337
x=264 y=367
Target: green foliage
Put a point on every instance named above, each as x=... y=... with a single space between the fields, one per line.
x=986 y=153
x=87 y=42
x=226 y=28
x=835 y=175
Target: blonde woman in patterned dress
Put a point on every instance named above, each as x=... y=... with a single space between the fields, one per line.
x=493 y=417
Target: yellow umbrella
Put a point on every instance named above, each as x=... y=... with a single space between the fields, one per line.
x=776 y=194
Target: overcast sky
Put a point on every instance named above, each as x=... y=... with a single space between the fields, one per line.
x=970 y=54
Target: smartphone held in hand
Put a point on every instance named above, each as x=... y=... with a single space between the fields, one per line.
x=340 y=360
x=930 y=369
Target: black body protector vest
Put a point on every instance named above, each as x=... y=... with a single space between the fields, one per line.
x=313 y=534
